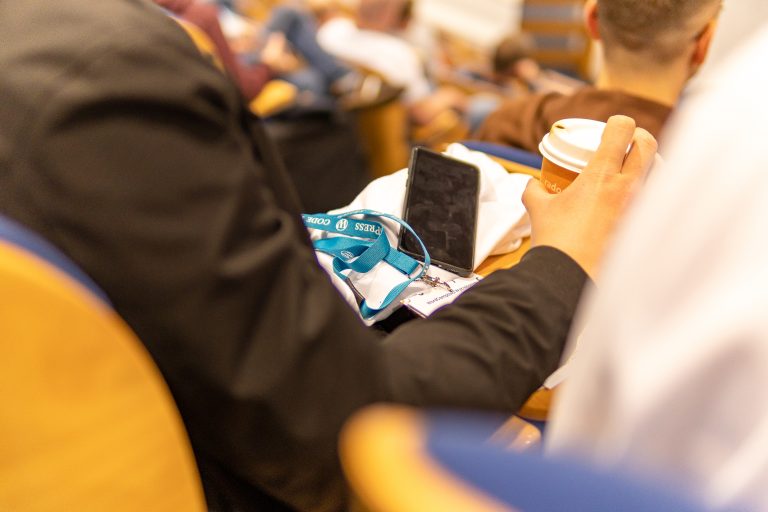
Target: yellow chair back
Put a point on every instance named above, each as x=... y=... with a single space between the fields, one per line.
x=87 y=423
x=385 y=456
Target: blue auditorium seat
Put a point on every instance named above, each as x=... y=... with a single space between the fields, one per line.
x=15 y=234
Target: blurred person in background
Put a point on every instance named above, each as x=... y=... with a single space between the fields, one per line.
x=306 y=120
x=371 y=40
x=295 y=25
x=512 y=73
x=274 y=59
x=513 y=67
x=650 y=51
x=282 y=46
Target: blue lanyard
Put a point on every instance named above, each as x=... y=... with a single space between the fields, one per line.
x=364 y=245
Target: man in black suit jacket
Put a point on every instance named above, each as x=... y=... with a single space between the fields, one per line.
x=138 y=158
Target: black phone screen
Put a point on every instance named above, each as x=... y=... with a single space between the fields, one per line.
x=441 y=206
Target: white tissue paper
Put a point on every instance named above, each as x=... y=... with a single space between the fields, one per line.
x=502 y=223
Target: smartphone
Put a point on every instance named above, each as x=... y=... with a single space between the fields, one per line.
x=441 y=202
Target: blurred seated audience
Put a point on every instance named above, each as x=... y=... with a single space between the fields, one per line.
x=515 y=69
x=650 y=51
x=322 y=75
x=512 y=73
x=284 y=45
x=250 y=79
x=320 y=148
x=370 y=41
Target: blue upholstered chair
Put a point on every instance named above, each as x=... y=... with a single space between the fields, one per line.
x=14 y=234
x=508 y=153
x=401 y=460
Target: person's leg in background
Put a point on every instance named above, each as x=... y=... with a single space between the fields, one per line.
x=479 y=106
x=300 y=30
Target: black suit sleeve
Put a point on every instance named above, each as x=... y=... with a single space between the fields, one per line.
x=141 y=171
x=496 y=344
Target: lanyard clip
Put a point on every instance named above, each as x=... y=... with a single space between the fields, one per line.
x=435 y=282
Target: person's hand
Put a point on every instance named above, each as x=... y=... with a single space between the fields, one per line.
x=278 y=56
x=582 y=218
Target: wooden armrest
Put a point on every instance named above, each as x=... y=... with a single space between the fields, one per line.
x=446 y=127
x=538 y=405
x=276 y=96
x=203 y=43
x=516 y=167
x=518 y=435
x=383 y=134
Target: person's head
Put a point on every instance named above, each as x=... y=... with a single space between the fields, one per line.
x=323 y=10
x=512 y=59
x=653 y=33
x=406 y=14
x=383 y=15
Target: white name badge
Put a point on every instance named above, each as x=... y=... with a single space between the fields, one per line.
x=426 y=303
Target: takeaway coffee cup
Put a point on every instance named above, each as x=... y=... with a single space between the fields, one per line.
x=567 y=149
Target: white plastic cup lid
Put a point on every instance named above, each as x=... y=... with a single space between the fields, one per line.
x=571 y=143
